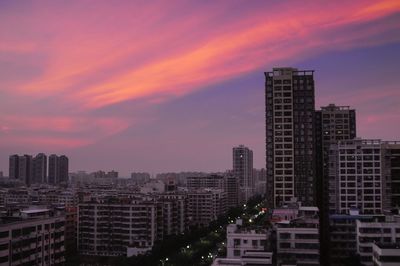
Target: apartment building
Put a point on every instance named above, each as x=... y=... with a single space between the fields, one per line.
x=297 y=240
x=209 y=181
x=387 y=232
x=386 y=254
x=228 y=182
x=112 y=226
x=34 y=237
x=290 y=136
x=205 y=205
x=343 y=234
x=246 y=246
x=364 y=174
x=355 y=176
x=126 y=224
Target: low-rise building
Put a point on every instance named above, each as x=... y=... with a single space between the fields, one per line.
x=386 y=254
x=298 y=238
x=387 y=232
x=343 y=235
x=246 y=246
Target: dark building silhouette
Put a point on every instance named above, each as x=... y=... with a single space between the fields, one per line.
x=25 y=170
x=58 y=169
x=333 y=123
x=13 y=166
x=391 y=173
x=290 y=136
x=39 y=169
x=242 y=158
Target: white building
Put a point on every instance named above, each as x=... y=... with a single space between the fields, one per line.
x=246 y=246
x=386 y=255
x=298 y=238
x=128 y=224
x=363 y=174
x=387 y=232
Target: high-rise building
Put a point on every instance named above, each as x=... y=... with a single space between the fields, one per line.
x=333 y=123
x=58 y=169
x=25 y=169
x=243 y=169
x=39 y=169
x=290 y=136
x=53 y=173
x=63 y=165
x=13 y=166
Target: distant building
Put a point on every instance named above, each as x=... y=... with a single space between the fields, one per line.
x=13 y=166
x=25 y=170
x=260 y=184
x=111 y=226
x=205 y=206
x=209 y=181
x=174 y=214
x=140 y=178
x=232 y=190
x=39 y=169
x=58 y=169
x=243 y=169
x=128 y=225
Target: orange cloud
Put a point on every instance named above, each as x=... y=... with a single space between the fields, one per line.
x=107 y=56
x=235 y=53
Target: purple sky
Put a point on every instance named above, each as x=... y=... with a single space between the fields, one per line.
x=174 y=85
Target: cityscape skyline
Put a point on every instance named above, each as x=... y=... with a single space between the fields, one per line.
x=56 y=98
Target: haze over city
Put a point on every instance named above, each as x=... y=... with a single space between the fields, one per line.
x=174 y=85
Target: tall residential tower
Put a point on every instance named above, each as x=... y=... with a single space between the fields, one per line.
x=290 y=140
x=243 y=169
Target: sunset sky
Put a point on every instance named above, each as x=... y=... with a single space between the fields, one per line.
x=173 y=85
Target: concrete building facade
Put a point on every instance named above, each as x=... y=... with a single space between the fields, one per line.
x=290 y=140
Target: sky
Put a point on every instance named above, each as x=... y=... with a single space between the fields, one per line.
x=163 y=86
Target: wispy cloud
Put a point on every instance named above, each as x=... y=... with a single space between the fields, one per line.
x=95 y=54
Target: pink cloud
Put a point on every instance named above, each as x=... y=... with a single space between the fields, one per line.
x=92 y=59
x=53 y=130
